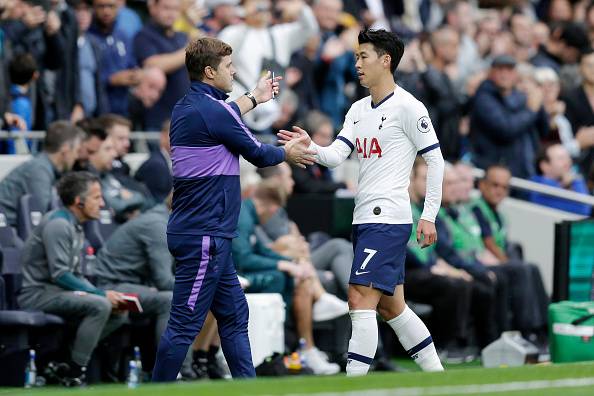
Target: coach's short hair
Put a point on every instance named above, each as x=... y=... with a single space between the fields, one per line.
x=384 y=43
x=58 y=133
x=269 y=191
x=75 y=184
x=203 y=52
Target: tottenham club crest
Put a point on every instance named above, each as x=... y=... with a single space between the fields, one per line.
x=424 y=124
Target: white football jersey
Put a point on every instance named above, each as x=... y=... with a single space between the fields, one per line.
x=387 y=137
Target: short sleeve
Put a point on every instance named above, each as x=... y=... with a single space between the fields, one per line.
x=419 y=129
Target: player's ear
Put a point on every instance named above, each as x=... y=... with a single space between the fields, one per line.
x=387 y=60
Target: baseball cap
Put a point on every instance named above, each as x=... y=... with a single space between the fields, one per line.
x=503 y=60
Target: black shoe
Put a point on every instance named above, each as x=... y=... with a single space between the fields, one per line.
x=200 y=368
x=215 y=371
x=67 y=374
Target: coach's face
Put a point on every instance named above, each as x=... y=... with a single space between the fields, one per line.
x=223 y=75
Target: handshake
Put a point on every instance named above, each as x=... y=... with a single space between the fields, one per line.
x=296 y=145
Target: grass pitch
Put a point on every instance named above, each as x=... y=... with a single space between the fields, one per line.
x=541 y=380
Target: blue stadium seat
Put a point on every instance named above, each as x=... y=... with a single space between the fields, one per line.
x=29 y=215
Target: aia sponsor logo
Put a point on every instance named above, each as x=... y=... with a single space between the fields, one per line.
x=368 y=147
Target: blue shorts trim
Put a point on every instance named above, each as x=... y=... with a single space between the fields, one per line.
x=379 y=255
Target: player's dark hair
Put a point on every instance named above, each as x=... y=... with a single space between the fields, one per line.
x=75 y=184
x=384 y=43
x=205 y=52
x=58 y=133
x=22 y=68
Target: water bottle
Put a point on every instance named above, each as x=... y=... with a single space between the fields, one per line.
x=31 y=371
x=138 y=363
x=132 y=375
x=302 y=352
x=89 y=262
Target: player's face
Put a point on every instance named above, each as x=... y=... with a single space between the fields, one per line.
x=495 y=186
x=224 y=74
x=369 y=65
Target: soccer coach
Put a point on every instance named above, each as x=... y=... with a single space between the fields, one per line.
x=207 y=136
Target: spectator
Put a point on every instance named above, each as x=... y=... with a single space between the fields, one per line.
x=117 y=65
x=317 y=179
x=118 y=128
x=563 y=46
x=145 y=95
x=531 y=313
x=128 y=20
x=258 y=47
x=505 y=124
x=300 y=76
x=222 y=13
x=431 y=280
x=158 y=45
x=23 y=73
x=559 y=126
x=155 y=172
x=93 y=98
x=269 y=272
x=94 y=137
x=459 y=248
x=555 y=169
x=52 y=277
x=38 y=175
x=126 y=204
x=580 y=112
x=190 y=18
x=335 y=62
x=37 y=32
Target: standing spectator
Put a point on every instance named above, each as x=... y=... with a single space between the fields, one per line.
x=300 y=77
x=23 y=72
x=38 y=175
x=505 y=124
x=335 y=63
x=117 y=65
x=258 y=47
x=317 y=179
x=190 y=18
x=580 y=111
x=128 y=20
x=52 y=277
x=93 y=98
x=554 y=169
x=155 y=172
x=158 y=45
x=38 y=32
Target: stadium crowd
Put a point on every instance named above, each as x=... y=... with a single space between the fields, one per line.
x=509 y=86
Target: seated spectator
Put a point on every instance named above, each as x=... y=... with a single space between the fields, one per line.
x=555 y=169
x=269 y=272
x=158 y=45
x=431 y=280
x=505 y=124
x=282 y=235
x=317 y=179
x=145 y=95
x=117 y=65
x=125 y=203
x=23 y=72
x=529 y=299
x=38 y=175
x=52 y=277
x=93 y=138
x=460 y=248
x=155 y=172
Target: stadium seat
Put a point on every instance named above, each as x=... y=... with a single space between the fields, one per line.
x=29 y=215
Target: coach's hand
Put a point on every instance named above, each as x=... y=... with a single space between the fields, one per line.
x=298 y=153
x=266 y=87
x=426 y=230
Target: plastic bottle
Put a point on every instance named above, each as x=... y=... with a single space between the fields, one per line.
x=138 y=362
x=31 y=371
x=89 y=261
x=132 y=375
x=302 y=352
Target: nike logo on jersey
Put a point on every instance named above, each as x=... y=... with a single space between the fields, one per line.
x=354 y=122
x=361 y=273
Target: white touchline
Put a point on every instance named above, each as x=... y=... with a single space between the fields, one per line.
x=464 y=389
